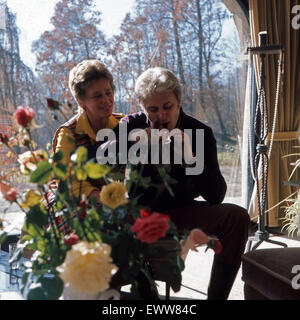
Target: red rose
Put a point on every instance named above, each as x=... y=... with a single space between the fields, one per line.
x=11 y=195
x=3 y=138
x=83 y=214
x=216 y=245
x=58 y=220
x=144 y=213
x=24 y=115
x=82 y=204
x=71 y=239
x=52 y=104
x=151 y=227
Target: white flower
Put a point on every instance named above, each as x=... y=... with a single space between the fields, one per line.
x=88 y=267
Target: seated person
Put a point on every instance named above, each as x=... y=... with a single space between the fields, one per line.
x=93 y=88
x=159 y=93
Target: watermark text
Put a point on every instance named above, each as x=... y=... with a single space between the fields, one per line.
x=296 y=278
x=152 y=146
x=296 y=18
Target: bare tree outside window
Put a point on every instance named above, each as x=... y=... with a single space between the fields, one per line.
x=196 y=39
x=2 y=17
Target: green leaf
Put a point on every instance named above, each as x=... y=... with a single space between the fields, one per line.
x=78 y=229
x=36 y=292
x=60 y=170
x=134 y=174
x=3 y=237
x=145 y=287
x=80 y=155
x=166 y=180
x=120 y=249
x=58 y=206
x=170 y=272
x=95 y=170
x=42 y=173
x=36 y=216
x=32 y=229
x=145 y=182
x=52 y=287
x=57 y=253
x=63 y=189
x=49 y=288
x=58 y=156
x=81 y=174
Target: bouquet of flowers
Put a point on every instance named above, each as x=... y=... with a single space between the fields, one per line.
x=83 y=246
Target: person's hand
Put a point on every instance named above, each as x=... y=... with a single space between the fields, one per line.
x=195 y=239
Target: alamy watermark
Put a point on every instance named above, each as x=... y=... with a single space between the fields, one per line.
x=2 y=17
x=296 y=19
x=296 y=278
x=159 y=141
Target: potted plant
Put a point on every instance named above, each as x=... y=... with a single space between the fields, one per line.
x=82 y=249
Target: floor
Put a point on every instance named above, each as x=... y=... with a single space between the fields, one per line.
x=195 y=277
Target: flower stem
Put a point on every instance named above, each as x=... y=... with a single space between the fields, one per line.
x=17 y=202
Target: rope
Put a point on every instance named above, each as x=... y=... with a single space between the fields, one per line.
x=261 y=118
x=261 y=109
x=276 y=103
x=250 y=88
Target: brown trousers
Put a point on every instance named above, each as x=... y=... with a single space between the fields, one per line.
x=228 y=222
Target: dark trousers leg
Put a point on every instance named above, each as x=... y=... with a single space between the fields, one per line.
x=230 y=223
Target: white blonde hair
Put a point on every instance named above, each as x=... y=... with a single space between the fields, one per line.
x=156 y=80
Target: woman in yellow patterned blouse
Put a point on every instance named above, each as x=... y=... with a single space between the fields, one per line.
x=93 y=88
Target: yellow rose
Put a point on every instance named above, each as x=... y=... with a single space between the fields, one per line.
x=113 y=194
x=88 y=267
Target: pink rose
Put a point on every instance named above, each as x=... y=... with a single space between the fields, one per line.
x=151 y=227
x=24 y=115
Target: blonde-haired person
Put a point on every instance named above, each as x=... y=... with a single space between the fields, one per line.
x=93 y=88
